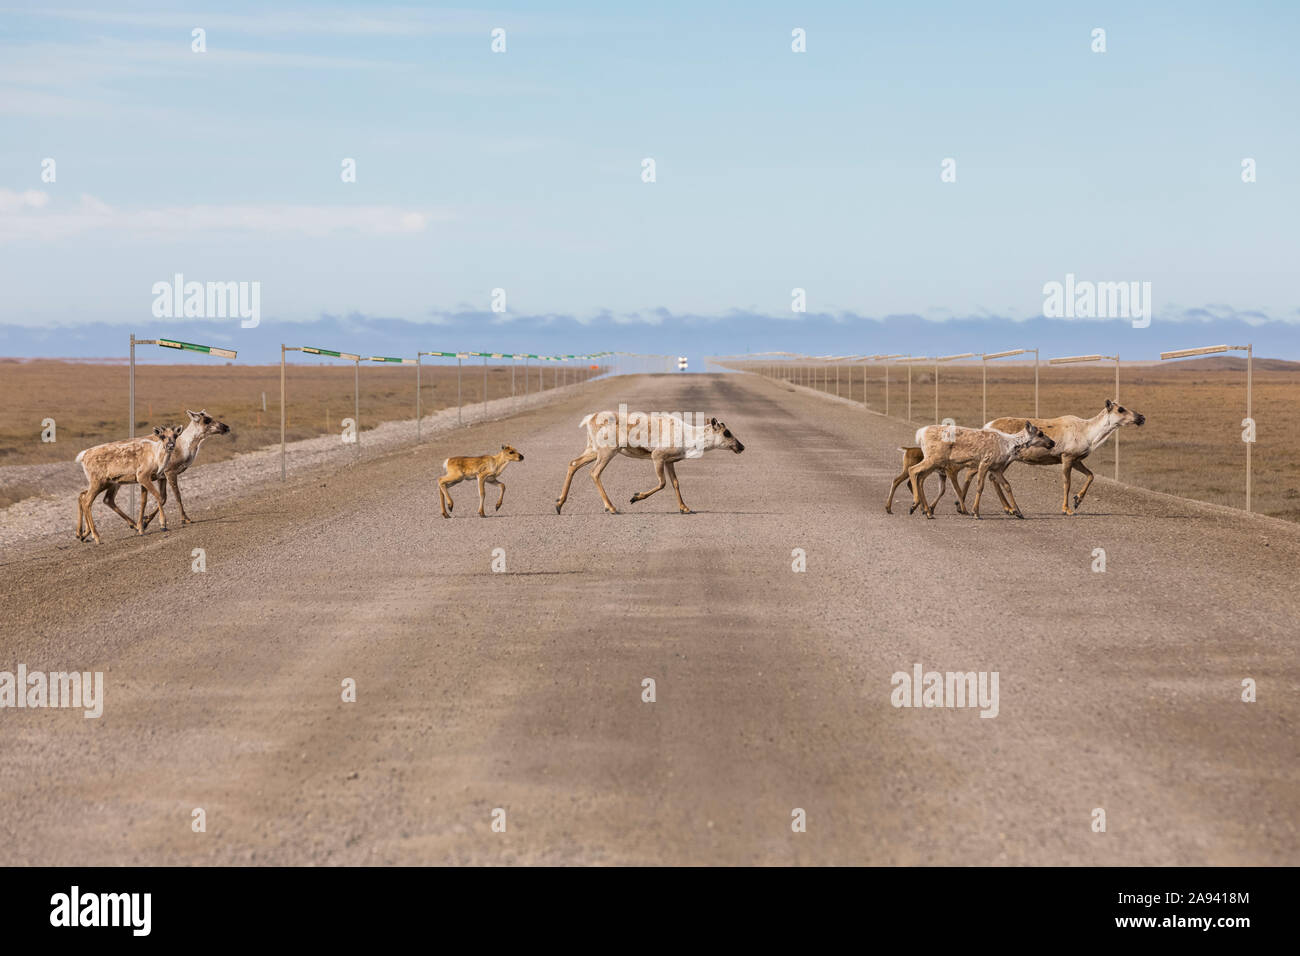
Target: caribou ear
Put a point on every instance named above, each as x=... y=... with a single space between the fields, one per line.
x=194 y=416
x=157 y=430
x=713 y=421
x=1109 y=404
x=1031 y=429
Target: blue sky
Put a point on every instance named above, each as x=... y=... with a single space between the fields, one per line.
x=522 y=170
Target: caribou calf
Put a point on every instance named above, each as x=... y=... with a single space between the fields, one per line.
x=985 y=449
x=486 y=468
x=117 y=463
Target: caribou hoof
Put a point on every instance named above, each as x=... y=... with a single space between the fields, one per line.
x=1019 y=514
x=913 y=508
x=558 y=506
x=1077 y=501
x=635 y=499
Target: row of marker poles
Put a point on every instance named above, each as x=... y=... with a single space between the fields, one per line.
x=804 y=373
x=356 y=386
x=514 y=359
x=795 y=367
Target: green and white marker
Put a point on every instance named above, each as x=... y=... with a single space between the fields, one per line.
x=191 y=347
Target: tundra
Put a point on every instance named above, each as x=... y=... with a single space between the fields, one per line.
x=486 y=468
x=117 y=463
x=663 y=438
x=985 y=449
x=1075 y=439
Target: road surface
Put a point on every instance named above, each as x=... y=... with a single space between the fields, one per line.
x=522 y=690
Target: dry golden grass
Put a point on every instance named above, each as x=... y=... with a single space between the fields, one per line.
x=90 y=401
x=1191 y=445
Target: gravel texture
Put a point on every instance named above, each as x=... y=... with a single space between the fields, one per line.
x=523 y=690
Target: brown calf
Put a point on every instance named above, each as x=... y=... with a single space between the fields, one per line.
x=486 y=468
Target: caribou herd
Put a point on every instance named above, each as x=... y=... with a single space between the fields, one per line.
x=156 y=461
x=986 y=452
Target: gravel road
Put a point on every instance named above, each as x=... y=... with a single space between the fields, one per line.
x=523 y=690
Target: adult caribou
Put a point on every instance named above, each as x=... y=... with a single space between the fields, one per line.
x=187 y=449
x=664 y=438
x=1075 y=439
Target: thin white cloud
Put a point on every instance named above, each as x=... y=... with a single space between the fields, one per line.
x=374 y=21
x=85 y=79
x=72 y=65
x=14 y=202
x=31 y=216
x=392 y=21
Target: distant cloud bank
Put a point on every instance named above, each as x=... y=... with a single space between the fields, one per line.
x=658 y=331
x=31 y=215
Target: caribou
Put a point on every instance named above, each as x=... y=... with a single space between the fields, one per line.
x=117 y=463
x=986 y=450
x=486 y=468
x=1074 y=439
x=187 y=449
x=663 y=437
